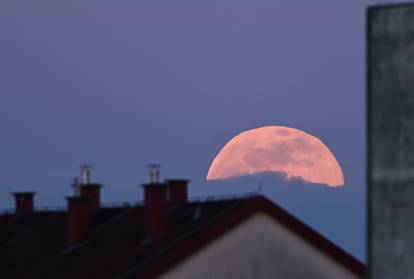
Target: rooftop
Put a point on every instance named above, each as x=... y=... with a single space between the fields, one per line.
x=34 y=245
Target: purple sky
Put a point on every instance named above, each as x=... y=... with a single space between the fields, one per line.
x=120 y=84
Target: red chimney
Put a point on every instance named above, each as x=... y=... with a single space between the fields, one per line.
x=24 y=202
x=155 y=208
x=86 y=189
x=92 y=192
x=78 y=220
x=177 y=191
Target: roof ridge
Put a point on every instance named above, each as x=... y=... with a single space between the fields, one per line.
x=233 y=218
x=180 y=239
x=311 y=235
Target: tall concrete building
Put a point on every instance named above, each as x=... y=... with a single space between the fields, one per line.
x=391 y=141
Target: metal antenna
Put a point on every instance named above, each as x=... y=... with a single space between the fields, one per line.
x=85 y=174
x=76 y=187
x=154 y=172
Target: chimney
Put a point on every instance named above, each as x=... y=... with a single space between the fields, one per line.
x=92 y=192
x=155 y=204
x=78 y=221
x=24 y=202
x=88 y=190
x=177 y=191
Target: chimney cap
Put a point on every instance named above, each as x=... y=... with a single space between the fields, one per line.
x=77 y=199
x=85 y=166
x=90 y=185
x=178 y=180
x=23 y=194
x=152 y=184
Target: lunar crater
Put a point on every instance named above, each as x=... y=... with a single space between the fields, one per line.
x=277 y=149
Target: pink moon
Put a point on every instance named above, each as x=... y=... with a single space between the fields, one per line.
x=277 y=149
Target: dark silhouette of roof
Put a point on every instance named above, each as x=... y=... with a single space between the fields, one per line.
x=34 y=246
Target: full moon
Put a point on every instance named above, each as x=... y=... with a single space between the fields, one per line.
x=277 y=149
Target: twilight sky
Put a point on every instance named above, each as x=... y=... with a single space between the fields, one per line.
x=120 y=84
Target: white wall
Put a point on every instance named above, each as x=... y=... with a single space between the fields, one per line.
x=258 y=248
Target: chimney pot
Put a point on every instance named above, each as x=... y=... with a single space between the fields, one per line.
x=86 y=189
x=154 y=172
x=76 y=187
x=85 y=174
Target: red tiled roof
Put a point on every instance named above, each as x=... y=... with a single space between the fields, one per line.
x=34 y=246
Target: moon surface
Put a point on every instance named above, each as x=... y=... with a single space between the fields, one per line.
x=277 y=149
